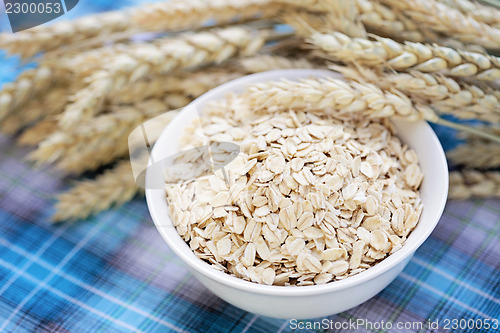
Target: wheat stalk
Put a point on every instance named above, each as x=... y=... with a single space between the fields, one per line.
x=339 y=95
x=33 y=135
x=471 y=183
x=449 y=21
x=478 y=155
x=417 y=56
x=160 y=57
x=115 y=187
x=494 y=130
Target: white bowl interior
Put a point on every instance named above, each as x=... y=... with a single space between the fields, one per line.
x=418 y=135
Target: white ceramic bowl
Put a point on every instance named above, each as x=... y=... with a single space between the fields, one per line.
x=306 y=301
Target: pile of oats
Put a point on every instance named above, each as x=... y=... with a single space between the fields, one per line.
x=311 y=198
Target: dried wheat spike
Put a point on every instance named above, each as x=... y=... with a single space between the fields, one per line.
x=391 y=23
x=471 y=183
x=449 y=21
x=267 y=62
x=82 y=63
x=191 y=84
x=447 y=95
x=167 y=16
x=337 y=95
x=114 y=187
x=145 y=59
x=15 y=94
x=35 y=134
x=97 y=141
x=417 y=56
x=373 y=15
x=477 y=155
x=460 y=46
x=182 y=14
x=29 y=42
x=487 y=14
x=48 y=104
x=443 y=94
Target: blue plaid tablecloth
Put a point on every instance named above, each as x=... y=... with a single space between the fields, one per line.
x=114 y=273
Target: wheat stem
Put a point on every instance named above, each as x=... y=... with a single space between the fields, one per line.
x=469 y=129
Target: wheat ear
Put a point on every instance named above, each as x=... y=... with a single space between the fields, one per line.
x=339 y=95
x=447 y=95
x=182 y=14
x=191 y=84
x=437 y=92
x=417 y=56
x=449 y=21
x=97 y=141
x=391 y=23
x=38 y=132
x=29 y=83
x=487 y=14
x=29 y=42
x=477 y=155
x=114 y=187
x=471 y=183
x=340 y=15
x=165 y=55
x=168 y=16
x=267 y=62
x=51 y=103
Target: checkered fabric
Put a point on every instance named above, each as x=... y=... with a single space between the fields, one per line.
x=114 y=273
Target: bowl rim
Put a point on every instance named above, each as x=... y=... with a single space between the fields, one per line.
x=172 y=238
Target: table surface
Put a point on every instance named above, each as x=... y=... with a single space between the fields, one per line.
x=114 y=273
